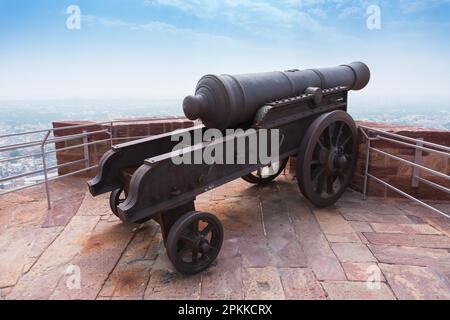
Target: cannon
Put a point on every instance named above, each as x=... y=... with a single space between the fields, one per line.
x=307 y=110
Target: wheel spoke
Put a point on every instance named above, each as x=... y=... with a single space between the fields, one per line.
x=318 y=173
x=195 y=226
x=330 y=134
x=194 y=254
x=259 y=173
x=185 y=238
x=346 y=140
x=322 y=146
x=206 y=230
x=339 y=133
x=330 y=182
x=320 y=182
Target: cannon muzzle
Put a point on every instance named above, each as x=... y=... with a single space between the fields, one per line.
x=228 y=101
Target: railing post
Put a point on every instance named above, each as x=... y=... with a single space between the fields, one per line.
x=44 y=164
x=366 y=169
x=86 y=149
x=418 y=159
x=111 y=134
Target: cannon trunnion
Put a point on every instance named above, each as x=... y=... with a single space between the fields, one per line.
x=147 y=182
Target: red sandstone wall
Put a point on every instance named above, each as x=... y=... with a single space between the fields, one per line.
x=131 y=130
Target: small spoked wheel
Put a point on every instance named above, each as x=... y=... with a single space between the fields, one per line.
x=194 y=241
x=327 y=158
x=266 y=174
x=116 y=197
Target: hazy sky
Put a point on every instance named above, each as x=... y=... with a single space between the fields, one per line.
x=160 y=48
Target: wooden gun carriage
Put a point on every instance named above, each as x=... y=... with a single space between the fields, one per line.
x=146 y=182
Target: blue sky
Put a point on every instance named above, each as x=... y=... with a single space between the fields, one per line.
x=156 y=49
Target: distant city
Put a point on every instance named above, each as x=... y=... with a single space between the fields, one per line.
x=23 y=116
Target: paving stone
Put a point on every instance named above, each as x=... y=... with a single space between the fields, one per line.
x=346 y=290
x=129 y=278
x=403 y=228
x=42 y=238
x=418 y=283
x=417 y=210
x=40 y=282
x=332 y=222
x=357 y=271
x=343 y=238
x=409 y=240
x=360 y=226
x=440 y=223
x=262 y=284
x=13 y=254
x=167 y=284
x=352 y=252
x=223 y=280
x=237 y=216
x=256 y=252
x=436 y=258
x=100 y=254
x=63 y=210
x=281 y=236
x=318 y=252
x=368 y=216
x=98 y=206
x=300 y=284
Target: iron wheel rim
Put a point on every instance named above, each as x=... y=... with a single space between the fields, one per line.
x=194 y=242
x=327 y=158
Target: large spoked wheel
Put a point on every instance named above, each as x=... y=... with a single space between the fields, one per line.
x=117 y=197
x=194 y=242
x=266 y=174
x=327 y=158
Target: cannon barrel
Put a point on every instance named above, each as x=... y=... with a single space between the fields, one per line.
x=228 y=101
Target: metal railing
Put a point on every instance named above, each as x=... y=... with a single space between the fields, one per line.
x=49 y=138
x=420 y=146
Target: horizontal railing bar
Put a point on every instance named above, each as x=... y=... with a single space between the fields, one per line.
x=58 y=140
x=434 y=145
x=437 y=173
x=21 y=188
x=89 y=125
x=78 y=146
x=73 y=173
x=407 y=195
x=433 y=184
x=54 y=129
x=30 y=173
x=51 y=179
x=22 y=157
x=75 y=136
x=54 y=151
x=442 y=153
x=129 y=138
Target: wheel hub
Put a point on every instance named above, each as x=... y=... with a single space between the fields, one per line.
x=336 y=160
x=204 y=246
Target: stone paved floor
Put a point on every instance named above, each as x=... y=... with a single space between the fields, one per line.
x=276 y=247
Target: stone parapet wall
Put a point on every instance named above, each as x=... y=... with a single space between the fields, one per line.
x=123 y=131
